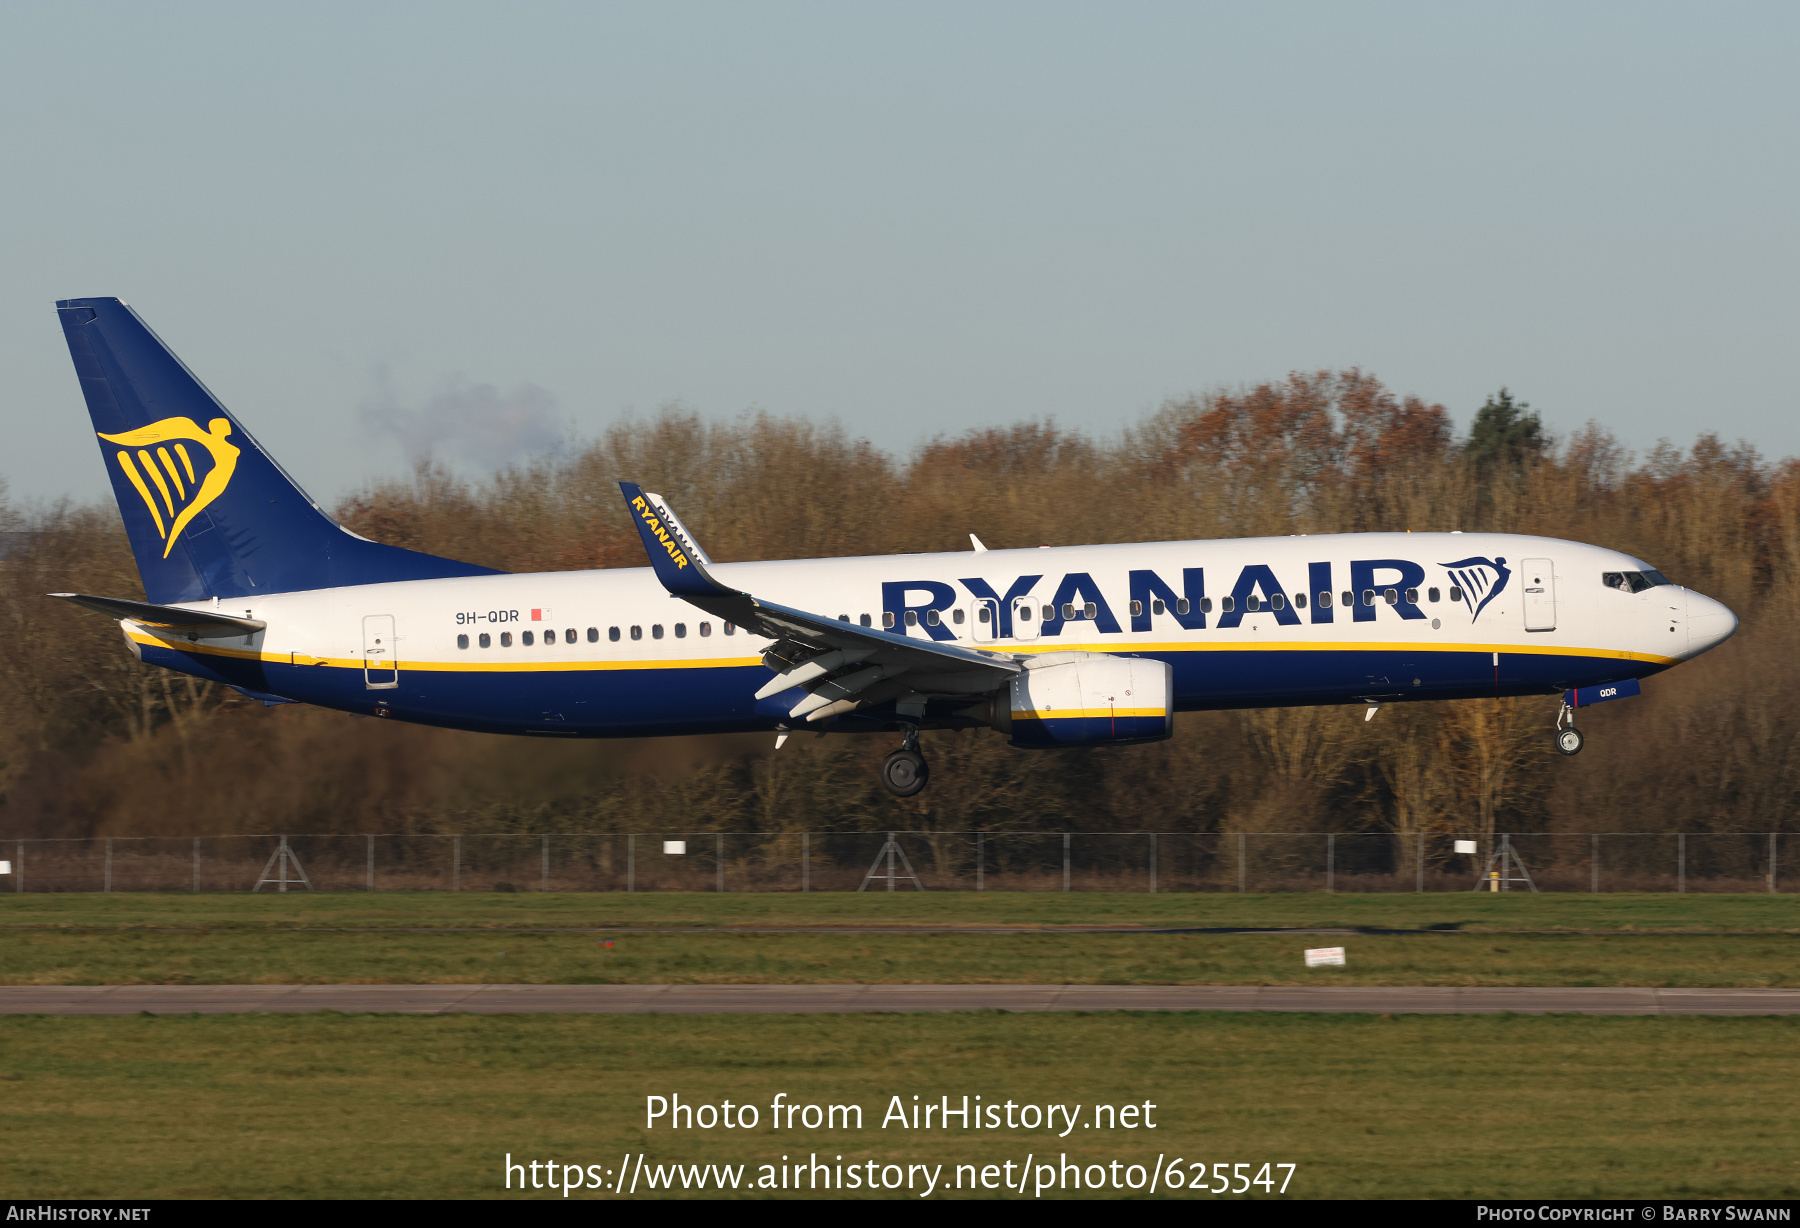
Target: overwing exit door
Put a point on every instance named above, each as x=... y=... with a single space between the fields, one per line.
x=1540 y=594
x=381 y=664
x=986 y=613
x=1024 y=618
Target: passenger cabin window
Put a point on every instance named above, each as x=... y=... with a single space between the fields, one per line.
x=1253 y=603
x=1299 y=601
x=912 y=617
x=864 y=620
x=594 y=635
x=656 y=631
x=1391 y=596
x=1090 y=610
x=1278 y=602
x=1137 y=608
x=525 y=638
x=705 y=630
x=1227 y=604
x=484 y=641
x=984 y=615
x=887 y=619
x=1368 y=596
x=730 y=628
x=1181 y=606
x=1455 y=593
x=1432 y=595
x=1324 y=601
x=956 y=616
x=637 y=633
x=506 y=639
x=1156 y=607
x=1024 y=614
x=1068 y=610
x=569 y=636
x=612 y=633
x=1348 y=598
x=1049 y=612
x=931 y=618
x=462 y=641
x=681 y=631
x=1412 y=595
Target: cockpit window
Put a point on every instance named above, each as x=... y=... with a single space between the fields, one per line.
x=1633 y=581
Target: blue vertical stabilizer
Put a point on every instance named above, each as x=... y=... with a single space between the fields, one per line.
x=209 y=513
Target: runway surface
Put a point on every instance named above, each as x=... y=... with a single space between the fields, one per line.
x=842 y=999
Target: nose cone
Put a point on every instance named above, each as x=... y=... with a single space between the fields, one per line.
x=1710 y=623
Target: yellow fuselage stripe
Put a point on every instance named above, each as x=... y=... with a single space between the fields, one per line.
x=1069 y=714
x=554 y=665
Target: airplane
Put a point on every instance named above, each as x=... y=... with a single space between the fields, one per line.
x=249 y=583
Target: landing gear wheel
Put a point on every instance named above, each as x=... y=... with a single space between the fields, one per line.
x=905 y=772
x=1569 y=740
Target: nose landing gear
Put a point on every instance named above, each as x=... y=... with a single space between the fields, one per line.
x=905 y=772
x=1568 y=738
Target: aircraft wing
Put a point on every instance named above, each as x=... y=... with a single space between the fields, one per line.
x=201 y=624
x=842 y=666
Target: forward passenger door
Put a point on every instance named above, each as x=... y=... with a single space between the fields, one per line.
x=1540 y=594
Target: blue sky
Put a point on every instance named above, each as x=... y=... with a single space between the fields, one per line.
x=377 y=227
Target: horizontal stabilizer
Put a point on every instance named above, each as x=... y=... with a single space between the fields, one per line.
x=208 y=624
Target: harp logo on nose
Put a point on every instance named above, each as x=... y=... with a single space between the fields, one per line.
x=163 y=469
x=1482 y=579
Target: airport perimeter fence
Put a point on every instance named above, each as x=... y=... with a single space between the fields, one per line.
x=905 y=861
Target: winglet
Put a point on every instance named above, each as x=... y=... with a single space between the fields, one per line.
x=673 y=555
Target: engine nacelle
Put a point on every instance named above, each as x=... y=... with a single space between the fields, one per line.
x=1091 y=699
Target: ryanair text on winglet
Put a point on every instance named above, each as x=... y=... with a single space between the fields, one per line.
x=662 y=534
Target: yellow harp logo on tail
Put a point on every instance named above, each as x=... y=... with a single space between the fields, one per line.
x=163 y=471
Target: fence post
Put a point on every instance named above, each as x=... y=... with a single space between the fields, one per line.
x=19 y=869
x=1065 y=861
x=369 y=880
x=806 y=861
x=719 y=862
x=1419 y=864
x=980 y=859
x=1152 y=863
x=1330 y=861
x=1240 y=863
x=196 y=863
x=1771 y=861
x=109 y=841
x=1594 y=865
x=1681 y=862
x=630 y=862
x=456 y=863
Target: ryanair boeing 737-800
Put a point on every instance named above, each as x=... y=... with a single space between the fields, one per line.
x=250 y=584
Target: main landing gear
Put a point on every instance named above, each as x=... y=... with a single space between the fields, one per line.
x=1568 y=738
x=905 y=772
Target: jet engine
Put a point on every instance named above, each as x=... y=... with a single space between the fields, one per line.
x=1089 y=699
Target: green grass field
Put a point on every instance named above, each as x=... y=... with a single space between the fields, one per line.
x=1658 y=940
x=1460 y=910
x=372 y=1106
x=92 y=956
x=1412 y=1106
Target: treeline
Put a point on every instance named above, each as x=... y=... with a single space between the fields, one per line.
x=91 y=742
